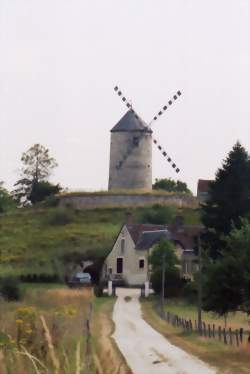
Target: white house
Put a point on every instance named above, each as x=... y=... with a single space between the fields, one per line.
x=128 y=257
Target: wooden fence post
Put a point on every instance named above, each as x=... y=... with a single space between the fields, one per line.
x=219 y=333
x=191 y=325
x=205 y=329
x=209 y=331
x=230 y=336
x=224 y=336
x=213 y=331
x=237 y=337
x=241 y=335
x=195 y=324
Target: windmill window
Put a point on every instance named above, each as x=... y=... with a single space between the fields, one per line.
x=135 y=141
x=141 y=263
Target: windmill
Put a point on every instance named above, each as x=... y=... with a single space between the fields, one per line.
x=131 y=149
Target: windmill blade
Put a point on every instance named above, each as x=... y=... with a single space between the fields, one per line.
x=123 y=98
x=165 y=107
x=164 y=153
x=132 y=147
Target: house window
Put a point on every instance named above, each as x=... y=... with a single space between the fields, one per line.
x=119 y=265
x=141 y=263
x=122 y=246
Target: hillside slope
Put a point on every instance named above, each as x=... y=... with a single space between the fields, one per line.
x=34 y=240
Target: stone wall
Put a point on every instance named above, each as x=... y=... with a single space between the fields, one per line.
x=90 y=201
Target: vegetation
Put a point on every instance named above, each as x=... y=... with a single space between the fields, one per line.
x=33 y=185
x=158 y=215
x=163 y=259
x=229 y=200
x=41 y=240
x=48 y=333
x=6 y=201
x=225 y=358
x=10 y=288
x=170 y=185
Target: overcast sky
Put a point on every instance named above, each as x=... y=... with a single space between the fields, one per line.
x=59 y=62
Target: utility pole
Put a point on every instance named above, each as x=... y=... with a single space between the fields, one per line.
x=163 y=283
x=199 y=288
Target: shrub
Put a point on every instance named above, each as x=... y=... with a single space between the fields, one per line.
x=52 y=201
x=10 y=288
x=189 y=292
x=60 y=217
x=98 y=290
x=173 y=283
x=158 y=215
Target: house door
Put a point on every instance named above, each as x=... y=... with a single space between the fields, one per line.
x=119 y=265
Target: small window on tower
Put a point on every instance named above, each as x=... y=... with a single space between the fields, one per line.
x=135 y=141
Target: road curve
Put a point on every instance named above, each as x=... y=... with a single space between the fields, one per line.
x=145 y=350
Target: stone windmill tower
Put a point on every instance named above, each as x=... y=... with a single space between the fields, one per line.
x=131 y=150
x=130 y=170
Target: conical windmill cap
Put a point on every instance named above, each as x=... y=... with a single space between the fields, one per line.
x=131 y=122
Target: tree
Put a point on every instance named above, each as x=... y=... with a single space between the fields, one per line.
x=164 y=259
x=6 y=200
x=170 y=185
x=37 y=167
x=229 y=200
x=229 y=277
x=41 y=190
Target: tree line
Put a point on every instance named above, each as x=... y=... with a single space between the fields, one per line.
x=225 y=244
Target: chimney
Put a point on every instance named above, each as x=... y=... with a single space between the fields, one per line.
x=128 y=218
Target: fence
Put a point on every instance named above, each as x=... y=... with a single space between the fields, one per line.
x=210 y=331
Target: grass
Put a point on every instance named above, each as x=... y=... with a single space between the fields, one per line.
x=34 y=239
x=46 y=332
x=226 y=359
x=189 y=311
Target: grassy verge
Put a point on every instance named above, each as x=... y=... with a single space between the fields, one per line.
x=189 y=311
x=46 y=332
x=107 y=357
x=226 y=359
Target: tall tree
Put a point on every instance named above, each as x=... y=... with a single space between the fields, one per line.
x=37 y=167
x=229 y=200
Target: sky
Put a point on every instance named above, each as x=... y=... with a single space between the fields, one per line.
x=60 y=60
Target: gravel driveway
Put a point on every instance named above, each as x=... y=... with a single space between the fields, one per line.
x=145 y=350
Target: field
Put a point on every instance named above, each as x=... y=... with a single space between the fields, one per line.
x=48 y=332
x=189 y=311
x=227 y=359
x=41 y=238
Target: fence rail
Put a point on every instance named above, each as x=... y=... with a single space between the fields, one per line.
x=208 y=330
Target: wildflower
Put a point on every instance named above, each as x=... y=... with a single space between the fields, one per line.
x=19 y=321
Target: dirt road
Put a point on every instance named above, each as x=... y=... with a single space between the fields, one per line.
x=145 y=350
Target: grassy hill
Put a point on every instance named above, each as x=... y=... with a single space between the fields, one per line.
x=35 y=240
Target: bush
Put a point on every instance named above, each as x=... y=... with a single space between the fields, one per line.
x=10 y=288
x=189 y=292
x=52 y=201
x=173 y=284
x=60 y=217
x=158 y=215
x=98 y=290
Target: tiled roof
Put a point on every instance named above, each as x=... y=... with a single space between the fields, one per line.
x=184 y=235
x=131 y=122
x=203 y=185
x=149 y=238
x=136 y=230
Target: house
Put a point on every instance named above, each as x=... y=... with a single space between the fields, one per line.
x=203 y=190
x=129 y=256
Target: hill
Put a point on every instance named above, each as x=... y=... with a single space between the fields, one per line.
x=39 y=240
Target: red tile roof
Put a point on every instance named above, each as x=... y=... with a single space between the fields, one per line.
x=203 y=185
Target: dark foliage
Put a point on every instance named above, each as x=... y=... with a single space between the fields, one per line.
x=171 y=186
x=9 y=288
x=173 y=284
x=158 y=215
x=229 y=200
x=42 y=190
